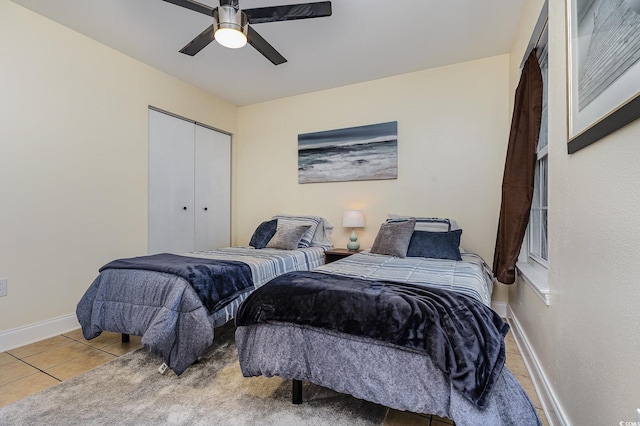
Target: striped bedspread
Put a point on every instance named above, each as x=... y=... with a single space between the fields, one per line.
x=266 y=264
x=164 y=308
x=471 y=276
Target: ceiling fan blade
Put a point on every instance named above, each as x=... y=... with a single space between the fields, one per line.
x=198 y=7
x=288 y=12
x=199 y=43
x=262 y=46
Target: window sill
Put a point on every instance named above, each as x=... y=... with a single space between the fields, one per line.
x=536 y=279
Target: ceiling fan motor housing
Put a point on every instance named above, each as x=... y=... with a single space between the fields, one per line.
x=230 y=17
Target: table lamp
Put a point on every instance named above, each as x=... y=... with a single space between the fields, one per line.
x=353 y=219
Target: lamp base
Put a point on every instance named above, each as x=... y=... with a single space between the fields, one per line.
x=353 y=245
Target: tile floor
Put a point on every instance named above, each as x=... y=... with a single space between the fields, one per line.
x=32 y=368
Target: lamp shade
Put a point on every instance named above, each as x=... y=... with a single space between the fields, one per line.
x=353 y=219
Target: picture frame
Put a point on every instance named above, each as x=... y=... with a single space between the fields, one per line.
x=367 y=152
x=603 y=69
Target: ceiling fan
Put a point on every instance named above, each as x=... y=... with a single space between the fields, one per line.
x=231 y=24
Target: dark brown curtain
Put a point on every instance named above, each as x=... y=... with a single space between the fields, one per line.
x=519 y=169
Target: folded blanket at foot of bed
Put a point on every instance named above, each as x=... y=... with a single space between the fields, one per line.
x=171 y=301
x=162 y=308
x=215 y=281
x=463 y=337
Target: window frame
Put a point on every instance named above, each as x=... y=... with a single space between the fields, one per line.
x=533 y=268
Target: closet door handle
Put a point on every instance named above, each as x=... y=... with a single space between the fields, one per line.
x=206 y=208
x=184 y=208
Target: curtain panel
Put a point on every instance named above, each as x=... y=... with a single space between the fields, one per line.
x=519 y=170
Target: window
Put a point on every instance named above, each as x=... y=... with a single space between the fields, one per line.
x=538 y=220
x=534 y=254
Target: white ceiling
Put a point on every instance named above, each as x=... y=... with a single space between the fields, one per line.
x=363 y=40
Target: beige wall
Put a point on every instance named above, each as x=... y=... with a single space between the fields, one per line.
x=73 y=159
x=452 y=133
x=73 y=140
x=588 y=340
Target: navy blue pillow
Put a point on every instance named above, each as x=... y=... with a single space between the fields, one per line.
x=263 y=233
x=435 y=245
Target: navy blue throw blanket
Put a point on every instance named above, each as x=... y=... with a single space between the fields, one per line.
x=215 y=281
x=463 y=337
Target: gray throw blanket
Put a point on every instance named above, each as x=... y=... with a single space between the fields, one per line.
x=215 y=281
x=463 y=337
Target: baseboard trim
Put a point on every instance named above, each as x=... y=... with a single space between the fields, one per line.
x=550 y=403
x=16 y=337
x=500 y=308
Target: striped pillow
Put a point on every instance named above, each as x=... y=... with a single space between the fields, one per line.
x=430 y=224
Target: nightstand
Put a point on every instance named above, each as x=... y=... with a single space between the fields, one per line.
x=337 y=254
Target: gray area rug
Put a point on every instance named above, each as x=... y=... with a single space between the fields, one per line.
x=130 y=391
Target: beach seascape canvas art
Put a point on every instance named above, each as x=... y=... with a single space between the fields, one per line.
x=355 y=153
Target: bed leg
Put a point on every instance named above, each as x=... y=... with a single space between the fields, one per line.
x=125 y=338
x=296 y=397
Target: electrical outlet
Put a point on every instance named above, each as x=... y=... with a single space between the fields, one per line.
x=3 y=287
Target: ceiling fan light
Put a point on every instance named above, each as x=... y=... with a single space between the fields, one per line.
x=231 y=38
x=230 y=27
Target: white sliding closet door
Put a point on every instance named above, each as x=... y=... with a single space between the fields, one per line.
x=171 y=191
x=212 y=189
x=189 y=186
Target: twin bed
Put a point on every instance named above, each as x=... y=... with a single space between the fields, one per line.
x=175 y=302
x=411 y=333
x=406 y=324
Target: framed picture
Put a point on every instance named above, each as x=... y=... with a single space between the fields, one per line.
x=603 y=68
x=355 y=153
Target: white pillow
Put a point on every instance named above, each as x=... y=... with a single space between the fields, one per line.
x=322 y=237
